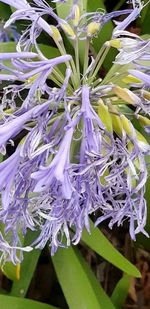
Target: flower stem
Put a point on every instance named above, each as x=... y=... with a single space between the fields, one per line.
x=86 y=60
x=98 y=65
x=76 y=48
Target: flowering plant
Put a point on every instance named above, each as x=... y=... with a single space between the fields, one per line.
x=80 y=150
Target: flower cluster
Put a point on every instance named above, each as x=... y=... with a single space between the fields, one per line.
x=78 y=153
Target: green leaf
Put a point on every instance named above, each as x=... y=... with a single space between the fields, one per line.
x=142 y=239
x=118 y=5
x=73 y=279
x=8 y=302
x=11 y=271
x=5 y=11
x=100 y=244
x=48 y=51
x=20 y=287
x=102 y=297
x=121 y=291
x=145 y=17
x=7 y=47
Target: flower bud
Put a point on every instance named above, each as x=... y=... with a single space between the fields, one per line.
x=56 y=34
x=146 y=95
x=115 y=43
x=104 y=115
x=127 y=125
x=93 y=28
x=116 y=121
x=131 y=79
x=144 y=121
x=76 y=15
x=68 y=30
x=142 y=142
x=125 y=94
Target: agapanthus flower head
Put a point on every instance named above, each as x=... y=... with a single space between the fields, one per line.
x=78 y=151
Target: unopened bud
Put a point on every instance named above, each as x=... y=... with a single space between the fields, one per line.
x=93 y=28
x=125 y=94
x=146 y=95
x=56 y=34
x=76 y=15
x=144 y=121
x=104 y=115
x=68 y=30
x=142 y=142
x=116 y=120
x=127 y=125
x=131 y=79
x=115 y=43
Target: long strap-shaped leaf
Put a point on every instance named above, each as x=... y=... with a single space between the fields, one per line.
x=28 y=266
x=121 y=291
x=74 y=281
x=102 y=297
x=8 y=302
x=100 y=244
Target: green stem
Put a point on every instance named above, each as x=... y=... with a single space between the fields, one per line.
x=73 y=76
x=76 y=48
x=105 y=52
x=60 y=79
x=86 y=60
x=118 y=5
x=97 y=59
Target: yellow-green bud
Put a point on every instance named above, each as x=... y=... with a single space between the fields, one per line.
x=131 y=79
x=146 y=95
x=127 y=125
x=116 y=120
x=93 y=28
x=115 y=43
x=142 y=142
x=56 y=34
x=144 y=121
x=104 y=115
x=125 y=94
x=68 y=30
x=76 y=15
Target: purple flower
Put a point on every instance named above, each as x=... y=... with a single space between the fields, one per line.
x=11 y=128
x=8 y=169
x=58 y=170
